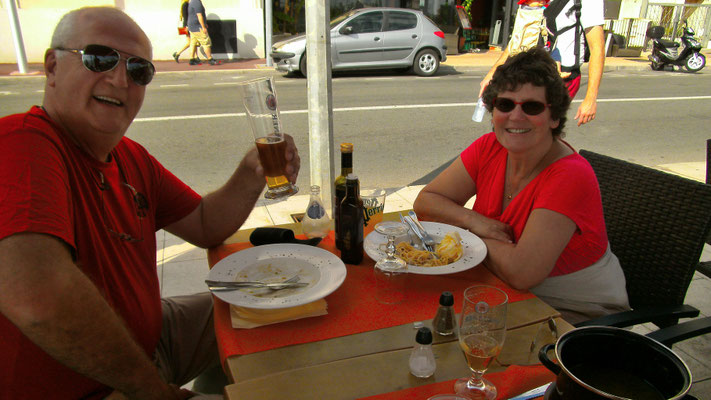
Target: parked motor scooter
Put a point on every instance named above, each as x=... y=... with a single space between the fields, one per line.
x=665 y=52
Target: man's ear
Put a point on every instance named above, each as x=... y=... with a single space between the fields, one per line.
x=50 y=65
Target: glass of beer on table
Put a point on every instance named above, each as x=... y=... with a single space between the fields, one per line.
x=260 y=102
x=482 y=329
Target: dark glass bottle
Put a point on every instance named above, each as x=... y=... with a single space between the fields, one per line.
x=443 y=322
x=340 y=187
x=351 y=226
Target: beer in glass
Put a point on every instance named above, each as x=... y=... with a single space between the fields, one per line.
x=260 y=102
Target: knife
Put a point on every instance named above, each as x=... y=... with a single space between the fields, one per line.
x=246 y=284
x=533 y=393
x=426 y=238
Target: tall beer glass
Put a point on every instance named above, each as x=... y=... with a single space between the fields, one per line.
x=482 y=329
x=260 y=102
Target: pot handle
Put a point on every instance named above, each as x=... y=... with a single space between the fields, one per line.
x=543 y=356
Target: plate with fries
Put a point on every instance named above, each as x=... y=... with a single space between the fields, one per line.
x=473 y=249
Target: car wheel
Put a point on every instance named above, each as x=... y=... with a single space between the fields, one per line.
x=302 y=65
x=695 y=62
x=426 y=63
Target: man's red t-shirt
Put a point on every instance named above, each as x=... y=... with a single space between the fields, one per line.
x=568 y=186
x=49 y=185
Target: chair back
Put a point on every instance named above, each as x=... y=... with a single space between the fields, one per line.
x=657 y=224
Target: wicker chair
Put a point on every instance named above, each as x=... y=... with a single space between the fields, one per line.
x=657 y=224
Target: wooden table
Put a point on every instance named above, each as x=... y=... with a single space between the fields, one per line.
x=372 y=362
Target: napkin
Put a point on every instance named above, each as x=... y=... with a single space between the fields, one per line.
x=247 y=318
x=270 y=235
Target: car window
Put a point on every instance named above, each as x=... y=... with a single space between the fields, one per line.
x=367 y=23
x=398 y=20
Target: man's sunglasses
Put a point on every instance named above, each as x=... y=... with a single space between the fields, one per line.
x=529 y=107
x=100 y=58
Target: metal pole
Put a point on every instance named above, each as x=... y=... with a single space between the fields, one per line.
x=16 y=35
x=708 y=161
x=319 y=97
x=268 y=31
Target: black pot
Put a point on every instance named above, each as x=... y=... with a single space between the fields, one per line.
x=601 y=362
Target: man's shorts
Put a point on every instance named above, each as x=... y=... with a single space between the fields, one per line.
x=199 y=37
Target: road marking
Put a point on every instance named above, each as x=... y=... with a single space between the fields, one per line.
x=6 y=93
x=227 y=83
x=39 y=91
x=404 y=107
x=174 y=85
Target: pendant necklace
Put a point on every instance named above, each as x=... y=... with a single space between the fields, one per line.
x=513 y=192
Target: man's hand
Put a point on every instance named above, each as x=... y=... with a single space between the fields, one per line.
x=293 y=161
x=586 y=111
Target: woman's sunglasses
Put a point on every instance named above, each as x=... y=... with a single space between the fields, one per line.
x=100 y=58
x=529 y=107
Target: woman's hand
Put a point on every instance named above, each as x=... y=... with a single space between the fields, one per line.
x=492 y=229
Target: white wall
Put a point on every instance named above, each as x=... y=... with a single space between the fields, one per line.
x=159 y=23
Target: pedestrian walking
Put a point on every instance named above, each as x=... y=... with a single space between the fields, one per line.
x=577 y=23
x=197 y=26
x=184 y=20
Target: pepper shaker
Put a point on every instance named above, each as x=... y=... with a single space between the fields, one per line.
x=422 y=361
x=443 y=322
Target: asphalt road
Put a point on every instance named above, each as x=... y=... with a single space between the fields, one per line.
x=403 y=126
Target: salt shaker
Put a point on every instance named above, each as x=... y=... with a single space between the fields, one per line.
x=422 y=361
x=443 y=322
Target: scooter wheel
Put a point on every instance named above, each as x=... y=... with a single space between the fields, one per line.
x=695 y=62
x=657 y=66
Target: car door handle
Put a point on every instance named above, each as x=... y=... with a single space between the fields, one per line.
x=377 y=39
x=414 y=36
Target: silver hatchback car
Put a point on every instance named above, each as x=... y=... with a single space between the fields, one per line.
x=373 y=38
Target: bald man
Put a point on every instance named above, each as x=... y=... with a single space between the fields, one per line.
x=80 y=308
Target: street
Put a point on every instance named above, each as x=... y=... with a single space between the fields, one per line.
x=403 y=127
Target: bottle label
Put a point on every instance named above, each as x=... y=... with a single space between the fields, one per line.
x=370 y=211
x=315 y=211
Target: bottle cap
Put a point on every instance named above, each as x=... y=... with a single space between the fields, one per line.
x=424 y=336
x=346 y=147
x=446 y=299
x=352 y=177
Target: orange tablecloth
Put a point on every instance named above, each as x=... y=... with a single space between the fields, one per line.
x=352 y=308
x=511 y=382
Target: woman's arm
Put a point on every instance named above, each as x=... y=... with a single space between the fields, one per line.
x=443 y=200
x=527 y=263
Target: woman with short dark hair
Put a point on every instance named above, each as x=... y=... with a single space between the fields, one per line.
x=538 y=206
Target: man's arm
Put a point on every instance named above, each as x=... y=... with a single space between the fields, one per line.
x=221 y=213
x=201 y=18
x=596 y=41
x=45 y=295
x=485 y=82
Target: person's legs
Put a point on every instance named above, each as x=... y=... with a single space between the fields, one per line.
x=187 y=346
x=193 y=45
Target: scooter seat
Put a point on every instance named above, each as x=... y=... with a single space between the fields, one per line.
x=668 y=43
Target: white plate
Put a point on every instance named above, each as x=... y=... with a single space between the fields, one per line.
x=474 y=249
x=321 y=269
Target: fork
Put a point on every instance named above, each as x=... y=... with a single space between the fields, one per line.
x=221 y=285
x=409 y=236
x=426 y=238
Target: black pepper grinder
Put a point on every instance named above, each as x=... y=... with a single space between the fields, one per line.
x=443 y=322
